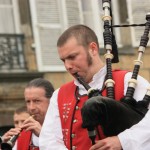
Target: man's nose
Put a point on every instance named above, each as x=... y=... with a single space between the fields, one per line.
x=31 y=106
x=20 y=123
x=68 y=64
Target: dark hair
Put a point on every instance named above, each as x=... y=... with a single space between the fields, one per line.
x=43 y=83
x=21 y=110
x=83 y=34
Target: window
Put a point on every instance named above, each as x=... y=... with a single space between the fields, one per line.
x=11 y=39
x=137 y=10
x=9 y=17
x=49 y=19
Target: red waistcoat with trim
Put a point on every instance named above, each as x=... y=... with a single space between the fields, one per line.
x=24 y=141
x=74 y=136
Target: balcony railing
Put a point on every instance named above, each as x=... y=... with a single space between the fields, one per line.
x=12 y=52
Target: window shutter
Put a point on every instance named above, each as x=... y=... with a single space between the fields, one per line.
x=49 y=19
x=93 y=13
x=137 y=10
x=46 y=28
x=9 y=15
x=92 y=17
x=73 y=10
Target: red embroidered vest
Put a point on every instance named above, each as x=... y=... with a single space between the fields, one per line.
x=24 y=141
x=75 y=137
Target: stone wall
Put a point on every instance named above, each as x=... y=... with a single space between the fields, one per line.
x=127 y=63
x=11 y=93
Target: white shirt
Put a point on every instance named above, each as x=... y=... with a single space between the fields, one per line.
x=138 y=136
x=51 y=137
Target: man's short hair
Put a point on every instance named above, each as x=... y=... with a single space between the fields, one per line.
x=83 y=34
x=42 y=83
x=21 y=110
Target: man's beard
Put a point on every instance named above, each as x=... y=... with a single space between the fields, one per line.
x=89 y=59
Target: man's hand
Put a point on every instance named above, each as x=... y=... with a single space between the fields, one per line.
x=10 y=133
x=31 y=124
x=110 y=143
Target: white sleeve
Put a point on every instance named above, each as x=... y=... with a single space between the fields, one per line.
x=15 y=146
x=138 y=136
x=141 y=87
x=51 y=137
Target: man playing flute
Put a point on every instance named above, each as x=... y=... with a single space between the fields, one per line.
x=37 y=98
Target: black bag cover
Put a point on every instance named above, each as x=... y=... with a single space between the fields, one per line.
x=113 y=116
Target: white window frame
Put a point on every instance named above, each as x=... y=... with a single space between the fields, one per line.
x=16 y=16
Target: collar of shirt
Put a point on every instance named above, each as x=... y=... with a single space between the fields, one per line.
x=96 y=83
x=35 y=140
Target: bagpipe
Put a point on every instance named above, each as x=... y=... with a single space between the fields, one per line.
x=114 y=116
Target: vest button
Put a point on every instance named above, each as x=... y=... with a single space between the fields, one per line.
x=77 y=107
x=73 y=147
x=73 y=135
x=75 y=120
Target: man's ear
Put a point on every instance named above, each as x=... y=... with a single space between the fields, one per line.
x=93 y=48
